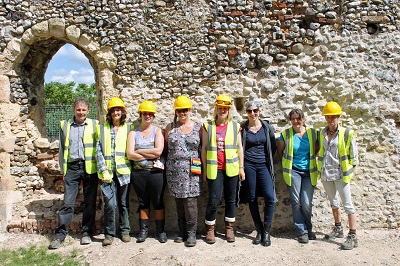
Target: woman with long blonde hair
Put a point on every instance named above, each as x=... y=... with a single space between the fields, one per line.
x=222 y=159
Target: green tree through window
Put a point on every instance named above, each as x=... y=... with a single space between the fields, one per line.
x=60 y=93
x=59 y=100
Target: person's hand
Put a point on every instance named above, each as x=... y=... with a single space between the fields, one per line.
x=242 y=175
x=204 y=176
x=107 y=178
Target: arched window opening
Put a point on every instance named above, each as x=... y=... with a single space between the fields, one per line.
x=69 y=75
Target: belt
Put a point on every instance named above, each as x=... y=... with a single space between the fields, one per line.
x=79 y=162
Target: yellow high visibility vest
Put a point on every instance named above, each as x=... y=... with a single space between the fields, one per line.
x=89 y=144
x=287 y=158
x=122 y=164
x=346 y=163
x=230 y=145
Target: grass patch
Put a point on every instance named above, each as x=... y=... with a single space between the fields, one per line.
x=38 y=256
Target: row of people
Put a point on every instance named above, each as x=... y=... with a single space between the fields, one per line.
x=229 y=154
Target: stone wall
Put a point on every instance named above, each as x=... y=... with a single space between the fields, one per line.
x=286 y=54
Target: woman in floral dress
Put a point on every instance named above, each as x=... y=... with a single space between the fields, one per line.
x=183 y=140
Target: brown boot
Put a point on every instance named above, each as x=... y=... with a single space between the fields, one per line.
x=229 y=233
x=210 y=237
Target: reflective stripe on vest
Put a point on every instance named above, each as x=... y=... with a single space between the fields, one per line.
x=122 y=164
x=89 y=144
x=346 y=163
x=287 y=158
x=230 y=145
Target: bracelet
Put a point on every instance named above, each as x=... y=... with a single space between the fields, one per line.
x=241 y=167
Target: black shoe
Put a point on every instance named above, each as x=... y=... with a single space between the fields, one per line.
x=266 y=238
x=257 y=240
x=182 y=236
x=312 y=236
x=144 y=231
x=162 y=237
x=143 y=234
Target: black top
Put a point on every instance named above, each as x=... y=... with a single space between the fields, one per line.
x=255 y=143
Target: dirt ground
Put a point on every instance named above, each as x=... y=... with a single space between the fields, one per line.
x=376 y=247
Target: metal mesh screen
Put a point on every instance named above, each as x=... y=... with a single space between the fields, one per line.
x=56 y=113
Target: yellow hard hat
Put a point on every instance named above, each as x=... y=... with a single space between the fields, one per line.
x=115 y=102
x=332 y=108
x=223 y=100
x=147 y=106
x=182 y=102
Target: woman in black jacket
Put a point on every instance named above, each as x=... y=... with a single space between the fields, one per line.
x=259 y=147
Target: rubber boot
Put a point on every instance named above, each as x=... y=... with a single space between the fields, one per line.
x=161 y=235
x=229 y=232
x=144 y=230
x=191 y=239
x=159 y=217
x=191 y=233
x=258 y=239
x=210 y=237
x=266 y=240
x=182 y=231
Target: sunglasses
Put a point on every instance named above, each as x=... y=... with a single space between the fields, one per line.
x=147 y=114
x=252 y=111
x=116 y=109
x=220 y=102
x=185 y=110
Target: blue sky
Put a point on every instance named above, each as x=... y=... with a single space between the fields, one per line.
x=69 y=64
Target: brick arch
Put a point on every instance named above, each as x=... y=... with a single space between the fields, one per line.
x=28 y=56
x=23 y=65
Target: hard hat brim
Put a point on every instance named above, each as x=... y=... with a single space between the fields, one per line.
x=121 y=106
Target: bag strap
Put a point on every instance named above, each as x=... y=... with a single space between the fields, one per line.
x=184 y=139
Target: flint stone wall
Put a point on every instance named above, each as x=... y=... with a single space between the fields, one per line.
x=286 y=54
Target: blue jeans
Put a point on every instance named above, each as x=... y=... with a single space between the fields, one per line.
x=258 y=178
x=76 y=173
x=301 y=197
x=115 y=195
x=228 y=185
